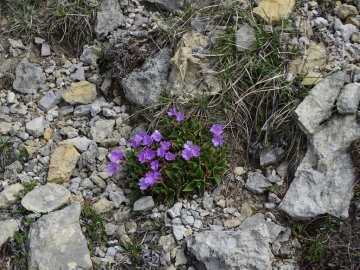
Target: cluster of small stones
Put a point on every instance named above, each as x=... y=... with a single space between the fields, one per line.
x=56 y=109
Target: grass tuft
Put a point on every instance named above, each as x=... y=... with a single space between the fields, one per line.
x=68 y=22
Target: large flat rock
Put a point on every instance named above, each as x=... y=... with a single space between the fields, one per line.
x=230 y=250
x=57 y=242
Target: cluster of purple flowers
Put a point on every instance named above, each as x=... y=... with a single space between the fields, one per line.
x=149 y=155
x=217 y=131
x=154 y=149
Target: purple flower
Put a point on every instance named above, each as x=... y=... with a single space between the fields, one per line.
x=180 y=116
x=169 y=156
x=195 y=151
x=145 y=155
x=216 y=129
x=188 y=145
x=217 y=140
x=147 y=141
x=160 y=152
x=154 y=165
x=190 y=150
x=150 y=179
x=112 y=167
x=156 y=136
x=137 y=139
x=172 y=112
x=186 y=154
x=165 y=145
x=116 y=155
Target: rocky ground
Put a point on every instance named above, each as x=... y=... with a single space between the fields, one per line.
x=61 y=209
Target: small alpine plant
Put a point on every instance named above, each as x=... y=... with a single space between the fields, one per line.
x=182 y=157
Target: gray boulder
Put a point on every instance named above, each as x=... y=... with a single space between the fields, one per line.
x=29 y=77
x=36 y=127
x=257 y=219
x=257 y=183
x=116 y=194
x=102 y=129
x=90 y=55
x=144 y=85
x=317 y=106
x=144 y=204
x=106 y=22
x=230 y=250
x=108 y=19
x=270 y=155
x=50 y=99
x=244 y=38
x=349 y=98
x=57 y=242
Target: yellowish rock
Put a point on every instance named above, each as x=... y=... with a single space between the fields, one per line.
x=221 y=203
x=316 y=56
x=102 y=206
x=191 y=77
x=352 y=20
x=62 y=164
x=274 y=11
x=76 y=198
x=80 y=93
x=232 y=223
x=48 y=133
x=30 y=149
x=343 y=11
x=312 y=78
x=188 y=233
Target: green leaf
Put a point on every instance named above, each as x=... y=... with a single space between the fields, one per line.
x=206 y=145
x=202 y=189
x=328 y=219
x=217 y=178
x=212 y=163
x=261 y=111
x=199 y=174
x=171 y=175
x=171 y=200
x=18 y=237
x=333 y=229
x=191 y=186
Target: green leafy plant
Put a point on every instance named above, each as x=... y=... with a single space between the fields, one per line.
x=272 y=188
x=28 y=186
x=95 y=229
x=185 y=157
x=133 y=250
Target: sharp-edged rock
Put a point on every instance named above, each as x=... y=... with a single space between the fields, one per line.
x=144 y=85
x=29 y=77
x=317 y=106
